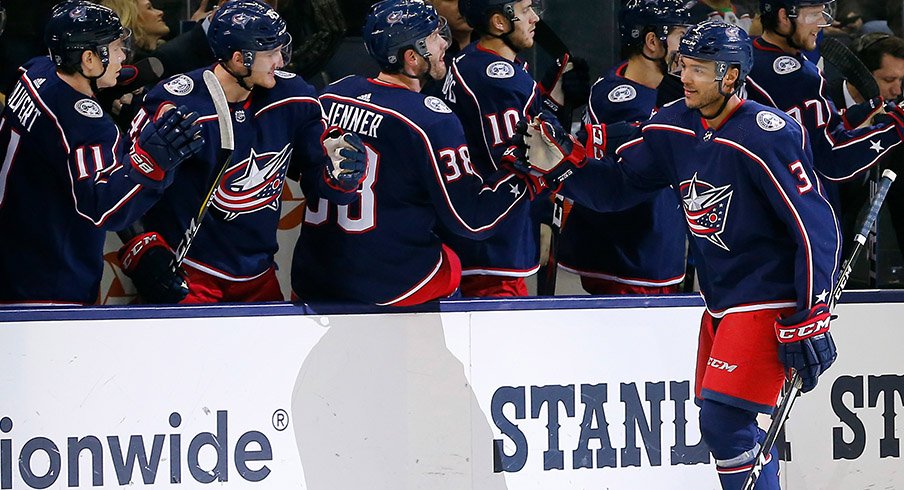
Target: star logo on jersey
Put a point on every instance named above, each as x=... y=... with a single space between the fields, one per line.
x=516 y=189
x=253 y=184
x=876 y=145
x=821 y=297
x=706 y=209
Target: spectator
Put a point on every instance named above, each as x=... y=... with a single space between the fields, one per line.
x=146 y=23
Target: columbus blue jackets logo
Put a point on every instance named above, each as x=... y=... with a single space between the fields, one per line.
x=785 y=64
x=284 y=74
x=500 y=69
x=253 y=184
x=706 y=209
x=437 y=105
x=769 y=121
x=622 y=93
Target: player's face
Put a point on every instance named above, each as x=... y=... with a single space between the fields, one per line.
x=701 y=90
x=151 y=19
x=449 y=10
x=523 y=35
x=265 y=65
x=672 y=42
x=810 y=20
x=118 y=52
x=437 y=45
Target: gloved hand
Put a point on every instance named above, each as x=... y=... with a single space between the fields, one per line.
x=603 y=139
x=566 y=84
x=805 y=343
x=348 y=159
x=862 y=114
x=543 y=153
x=166 y=142
x=896 y=113
x=147 y=259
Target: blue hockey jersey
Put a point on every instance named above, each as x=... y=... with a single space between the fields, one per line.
x=490 y=94
x=65 y=179
x=793 y=84
x=763 y=234
x=382 y=249
x=644 y=245
x=273 y=128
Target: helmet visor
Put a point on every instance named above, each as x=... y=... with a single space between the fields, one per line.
x=820 y=15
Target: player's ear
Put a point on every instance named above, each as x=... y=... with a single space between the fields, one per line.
x=498 y=22
x=237 y=57
x=651 y=41
x=89 y=58
x=731 y=77
x=410 y=57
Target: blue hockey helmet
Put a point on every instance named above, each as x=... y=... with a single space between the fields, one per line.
x=639 y=16
x=247 y=26
x=770 y=8
x=77 y=26
x=725 y=44
x=395 y=25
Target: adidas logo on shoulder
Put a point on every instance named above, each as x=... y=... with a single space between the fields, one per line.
x=38 y=82
x=364 y=98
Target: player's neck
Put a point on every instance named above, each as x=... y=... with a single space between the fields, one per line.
x=643 y=71
x=730 y=106
x=780 y=42
x=234 y=92
x=412 y=84
x=498 y=46
x=79 y=83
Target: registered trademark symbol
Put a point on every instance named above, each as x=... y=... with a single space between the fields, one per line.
x=280 y=420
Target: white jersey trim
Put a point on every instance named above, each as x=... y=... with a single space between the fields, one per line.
x=632 y=282
x=500 y=272
x=220 y=274
x=417 y=287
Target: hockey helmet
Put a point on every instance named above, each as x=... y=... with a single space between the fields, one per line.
x=247 y=26
x=771 y=7
x=723 y=43
x=78 y=26
x=639 y=16
x=395 y=25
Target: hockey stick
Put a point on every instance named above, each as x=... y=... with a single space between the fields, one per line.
x=857 y=74
x=227 y=145
x=547 y=39
x=784 y=408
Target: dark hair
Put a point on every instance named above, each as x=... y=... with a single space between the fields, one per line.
x=871 y=47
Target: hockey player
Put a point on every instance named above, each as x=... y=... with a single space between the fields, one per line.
x=640 y=250
x=764 y=236
x=383 y=249
x=277 y=122
x=490 y=90
x=66 y=172
x=782 y=77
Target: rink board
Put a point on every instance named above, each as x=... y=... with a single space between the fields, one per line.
x=577 y=393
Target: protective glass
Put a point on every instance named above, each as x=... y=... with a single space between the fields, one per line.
x=2 y=19
x=265 y=60
x=820 y=18
x=538 y=6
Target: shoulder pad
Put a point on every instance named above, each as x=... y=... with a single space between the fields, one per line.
x=180 y=85
x=784 y=65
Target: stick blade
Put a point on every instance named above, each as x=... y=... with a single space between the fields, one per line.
x=227 y=137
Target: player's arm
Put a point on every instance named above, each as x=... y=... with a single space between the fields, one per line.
x=114 y=179
x=466 y=203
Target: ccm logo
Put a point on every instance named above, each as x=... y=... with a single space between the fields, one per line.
x=804 y=331
x=724 y=366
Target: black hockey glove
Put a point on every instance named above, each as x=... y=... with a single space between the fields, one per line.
x=863 y=113
x=147 y=260
x=896 y=114
x=805 y=343
x=347 y=167
x=565 y=85
x=551 y=154
x=600 y=140
x=166 y=142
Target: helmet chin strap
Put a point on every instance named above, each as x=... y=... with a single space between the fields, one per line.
x=725 y=98
x=789 y=38
x=240 y=79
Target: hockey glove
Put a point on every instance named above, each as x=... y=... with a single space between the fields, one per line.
x=515 y=161
x=566 y=84
x=166 y=142
x=603 y=139
x=348 y=160
x=862 y=114
x=550 y=150
x=147 y=260
x=805 y=343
